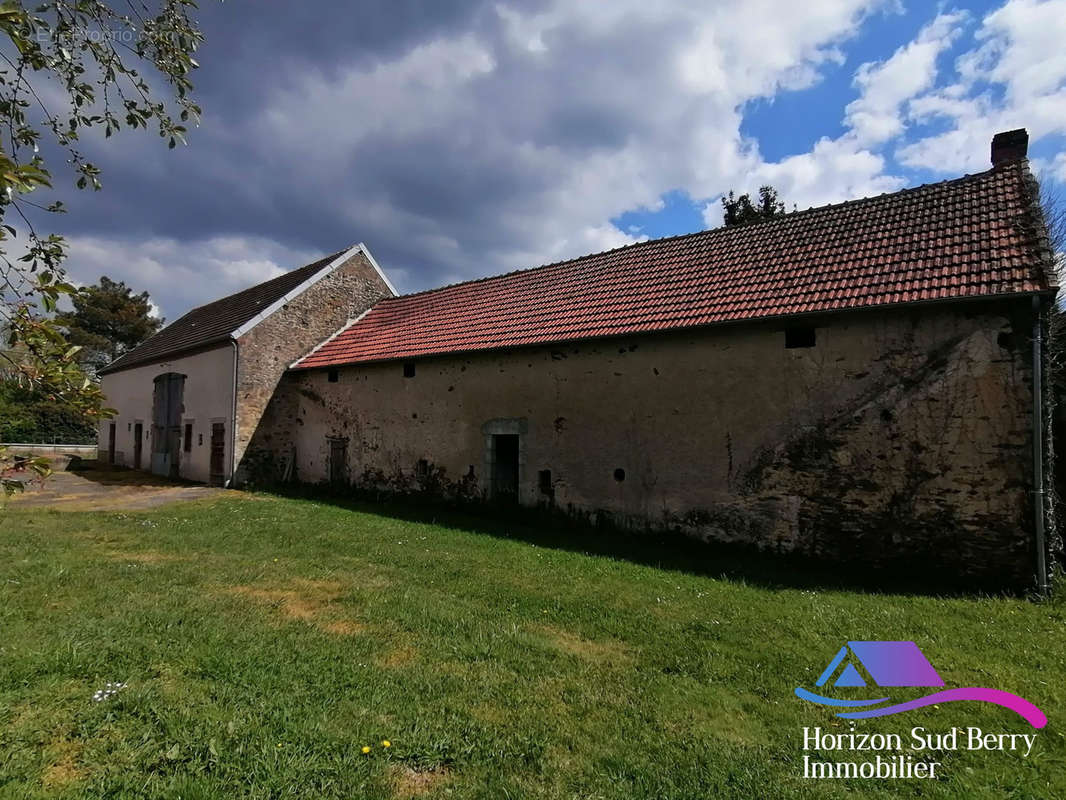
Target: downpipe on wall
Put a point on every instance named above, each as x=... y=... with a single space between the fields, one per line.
x=1039 y=492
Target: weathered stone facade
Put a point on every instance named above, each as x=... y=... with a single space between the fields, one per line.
x=902 y=434
x=267 y=350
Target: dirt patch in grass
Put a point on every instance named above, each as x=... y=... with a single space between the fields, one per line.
x=34 y=712
x=398 y=656
x=410 y=782
x=64 y=768
x=304 y=600
x=144 y=556
x=342 y=627
x=609 y=651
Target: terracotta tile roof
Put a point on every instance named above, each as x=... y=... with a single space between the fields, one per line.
x=213 y=323
x=976 y=236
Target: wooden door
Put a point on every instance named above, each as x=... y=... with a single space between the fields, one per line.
x=218 y=452
x=338 y=461
x=111 y=443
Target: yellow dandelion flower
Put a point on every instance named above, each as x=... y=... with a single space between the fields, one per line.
x=386 y=743
x=366 y=748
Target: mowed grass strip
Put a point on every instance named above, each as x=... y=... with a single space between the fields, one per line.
x=264 y=642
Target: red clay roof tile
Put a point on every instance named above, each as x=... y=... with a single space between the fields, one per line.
x=971 y=237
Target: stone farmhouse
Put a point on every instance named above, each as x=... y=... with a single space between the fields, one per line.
x=858 y=382
x=190 y=398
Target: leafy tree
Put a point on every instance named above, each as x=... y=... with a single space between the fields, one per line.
x=1054 y=209
x=742 y=211
x=108 y=320
x=71 y=66
x=27 y=415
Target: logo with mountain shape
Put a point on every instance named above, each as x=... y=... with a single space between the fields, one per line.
x=901 y=664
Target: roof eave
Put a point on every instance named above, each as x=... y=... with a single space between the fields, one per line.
x=296 y=366
x=249 y=324
x=168 y=355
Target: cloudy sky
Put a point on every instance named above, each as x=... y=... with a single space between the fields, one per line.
x=462 y=138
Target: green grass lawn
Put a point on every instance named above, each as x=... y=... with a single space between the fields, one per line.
x=265 y=641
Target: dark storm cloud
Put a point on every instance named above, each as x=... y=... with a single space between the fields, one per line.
x=449 y=180
x=254 y=45
x=456 y=139
x=224 y=181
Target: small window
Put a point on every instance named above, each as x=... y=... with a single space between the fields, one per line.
x=332 y=376
x=422 y=468
x=409 y=369
x=619 y=474
x=800 y=336
x=544 y=481
x=188 y=437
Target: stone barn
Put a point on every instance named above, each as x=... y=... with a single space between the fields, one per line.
x=857 y=382
x=189 y=398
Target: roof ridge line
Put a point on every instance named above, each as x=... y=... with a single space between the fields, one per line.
x=142 y=354
x=956 y=239
x=326 y=258
x=787 y=217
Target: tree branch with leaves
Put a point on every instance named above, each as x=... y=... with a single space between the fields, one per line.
x=743 y=211
x=68 y=67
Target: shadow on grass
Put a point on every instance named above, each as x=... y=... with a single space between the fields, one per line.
x=663 y=550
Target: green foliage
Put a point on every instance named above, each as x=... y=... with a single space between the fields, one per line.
x=107 y=321
x=265 y=641
x=29 y=415
x=71 y=66
x=741 y=211
x=1054 y=211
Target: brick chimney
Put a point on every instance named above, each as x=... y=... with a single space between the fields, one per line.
x=1009 y=146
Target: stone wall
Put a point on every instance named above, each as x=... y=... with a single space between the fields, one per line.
x=267 y=350
x=902 y=436
x=60 y=454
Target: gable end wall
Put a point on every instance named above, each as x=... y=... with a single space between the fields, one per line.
x=267 y=350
